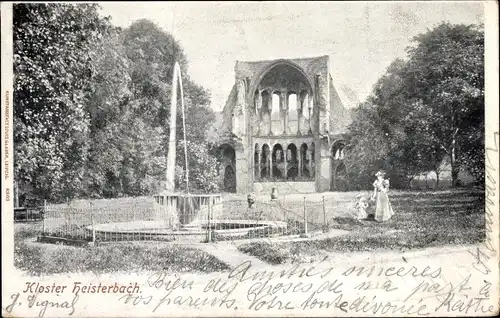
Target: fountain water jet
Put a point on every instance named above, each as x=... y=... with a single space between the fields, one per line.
x=179 y=209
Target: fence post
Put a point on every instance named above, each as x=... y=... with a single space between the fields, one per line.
x=171 y=212
x=305 y=219
x=69 y=228
x=43 y=217
x=209 y=234
x=93 y=222
x=325 y=224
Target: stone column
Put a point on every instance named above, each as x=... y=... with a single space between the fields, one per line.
x=242 y=175
x=299 y=112
x=262 y=165
x=323 y=167
x=310 y=110
x=270 y=160
x=313 y=162
x=270 y=109
x=284 y=110
x=299 y=166
x=257 y=172
x=284 y=162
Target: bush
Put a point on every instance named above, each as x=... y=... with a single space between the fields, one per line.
x=271 y=253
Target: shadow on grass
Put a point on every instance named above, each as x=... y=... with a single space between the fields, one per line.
x=44 y=259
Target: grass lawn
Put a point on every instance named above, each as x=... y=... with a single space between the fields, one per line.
x=421 y=219
x=44 y=259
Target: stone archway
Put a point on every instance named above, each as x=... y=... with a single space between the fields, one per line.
x=304 y=161
x=272 y=89
x=339 y=172
x=227 y=160
x=292 y=162
x=279 y=63
x=278 y=160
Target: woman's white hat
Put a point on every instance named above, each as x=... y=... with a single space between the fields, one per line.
x=380 y=173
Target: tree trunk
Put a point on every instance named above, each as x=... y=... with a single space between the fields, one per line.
x=454 y=175
x=437 y=178
x=453 y=159
x=410 y=183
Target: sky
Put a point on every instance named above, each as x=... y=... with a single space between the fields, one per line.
x=361 y=38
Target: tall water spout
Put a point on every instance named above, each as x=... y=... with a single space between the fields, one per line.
x=176 y=80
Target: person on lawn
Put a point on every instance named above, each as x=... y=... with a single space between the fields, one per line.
x=383 y=209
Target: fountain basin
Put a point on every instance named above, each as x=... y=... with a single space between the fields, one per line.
x=160 y=230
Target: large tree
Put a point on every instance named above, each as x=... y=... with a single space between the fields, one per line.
x=445 y=73
x=426 y=107
x=107 y=104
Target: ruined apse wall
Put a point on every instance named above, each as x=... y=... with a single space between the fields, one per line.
x=328 y=115
x=339 y=116
x=227 y=111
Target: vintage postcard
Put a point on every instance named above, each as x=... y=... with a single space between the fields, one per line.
x=256 y=159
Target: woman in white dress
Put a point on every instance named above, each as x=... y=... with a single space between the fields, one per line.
x=383 y=210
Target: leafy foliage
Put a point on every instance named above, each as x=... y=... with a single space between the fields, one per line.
x=425 y=109
x=366 y=145
x=93 y=102
x=53 y=50
x=203 y=172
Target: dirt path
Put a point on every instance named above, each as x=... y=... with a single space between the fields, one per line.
x=229 y=254
x=228 y=251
